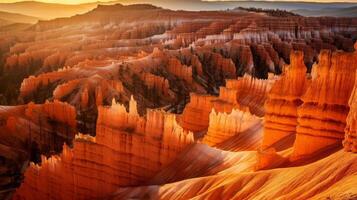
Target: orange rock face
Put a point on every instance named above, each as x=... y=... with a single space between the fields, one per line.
x=175 y=67
x=224 y=65
x=350 y=142
x=127 y=150
x=322 y=116
x=222 y=126
x=283 y=101
x=246 y=93
x=156 y=83
x=250 y=92
x=44 y=127
x=218 y=113
x=195 y=117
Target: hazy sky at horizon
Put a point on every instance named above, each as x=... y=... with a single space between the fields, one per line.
x=128 y=1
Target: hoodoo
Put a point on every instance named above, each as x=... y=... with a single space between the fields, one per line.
x=350 y=142
x=222 y=126
x=283 y=101
x=322 y=116
x=127 y=150
x=142 y=102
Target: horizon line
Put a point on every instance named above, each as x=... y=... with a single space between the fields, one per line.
x=203 y=1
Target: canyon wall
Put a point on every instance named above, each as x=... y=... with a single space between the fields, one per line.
x=350 y=141
x=222 y=126
x=251 y=92
x=127 y=150
x=283 y=101
x=184 y=72
x=322 y=116
x=195 y=116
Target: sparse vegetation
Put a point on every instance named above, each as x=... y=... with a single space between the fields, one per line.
x=270 y=12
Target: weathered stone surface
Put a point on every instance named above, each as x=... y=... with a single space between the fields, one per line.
x=350 y=141
x=223 y=126
x=283 y=100
x=127 y=150
x=322 y=116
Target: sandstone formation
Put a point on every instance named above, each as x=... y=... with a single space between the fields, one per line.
x=251 y=92
x=322 y=116
x=350 y=142
x=222 y=126
x=195 y=117
x=127 y=150
x=228 y=105
x=46 y=126
x=283 y=183
x=245 y=93
x=28 y=131
x=283 y=101
x=175 y=67
x=94 y=90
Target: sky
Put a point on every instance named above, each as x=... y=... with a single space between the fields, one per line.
x=87 y=1
x=57 y=1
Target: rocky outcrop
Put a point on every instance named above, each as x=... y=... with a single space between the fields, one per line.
x=94 y=90
x=245 y=93
x=322 y=116
x=350 y=141
x=331 y=177
x=156 y=83
x=195 y=116
x=222 y=126
x=223 y=66
x=127 y=150
x=182 y=71
x=242 y=57
x=27 y=131
x=283 y=101
x=161 y=56
x=38 y=128
x=249 y=92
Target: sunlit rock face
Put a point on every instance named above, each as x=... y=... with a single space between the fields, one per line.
x=228 y=105
x=195 y=117
x=245 y=93
x=92 y=91
x=350 y=141
x=322 y=116
x=127 y=150
x=249 y=92
x=283 y=101
x=27 y=131
x=223 y=126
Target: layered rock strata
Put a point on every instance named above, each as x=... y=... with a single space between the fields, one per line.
x=283 y=100
x=350 y=141
x=250 y=92
x=223 y=126
x=322 y=116
x=127 y=150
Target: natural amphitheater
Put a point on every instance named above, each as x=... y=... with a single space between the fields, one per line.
x=144 y=102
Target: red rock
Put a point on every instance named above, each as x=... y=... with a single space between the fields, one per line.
x=127 y=150
x=283 y=101
x=350 y=141
x=248 y=92
x=322 y=116
x=182 y=71
x=195 y=116
x=223 y=126
x=157 y=83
